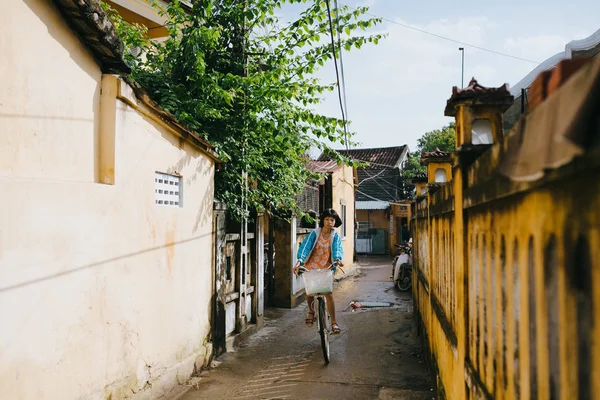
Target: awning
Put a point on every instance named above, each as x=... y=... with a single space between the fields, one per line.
x=557 y=131
x=372 y=205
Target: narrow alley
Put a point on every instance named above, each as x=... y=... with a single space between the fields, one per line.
x=377 y=356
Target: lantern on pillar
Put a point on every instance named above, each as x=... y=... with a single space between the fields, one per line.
x=439 y=166
x=478 y=112
x=420 y=181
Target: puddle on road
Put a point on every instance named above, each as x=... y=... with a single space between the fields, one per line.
x=359 y=305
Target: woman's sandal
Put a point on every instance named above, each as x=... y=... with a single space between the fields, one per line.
x=310 y=320
x=335 y=329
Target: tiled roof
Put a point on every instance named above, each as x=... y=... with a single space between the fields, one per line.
x=321 y=167
x=479 y=94
x=436 y=155
x=419 y=178
x=89 y=21
x=380 y=157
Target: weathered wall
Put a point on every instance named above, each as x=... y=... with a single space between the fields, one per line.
x=102 y=292
x=380 y=220
x=507 y=270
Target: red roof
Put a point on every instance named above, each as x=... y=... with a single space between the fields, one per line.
x=380 y=157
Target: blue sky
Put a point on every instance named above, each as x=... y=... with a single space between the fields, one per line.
x=397 y=90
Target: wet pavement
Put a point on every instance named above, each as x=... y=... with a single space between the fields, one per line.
x=377 y=356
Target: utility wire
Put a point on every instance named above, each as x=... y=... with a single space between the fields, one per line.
x=381 y=179
x=339 y=37
x=371 y=177
x=371 y=197
x=383 y=188
x=337 y=72
x=447 y=38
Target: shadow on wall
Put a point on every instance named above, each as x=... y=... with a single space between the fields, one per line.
x=100 y=263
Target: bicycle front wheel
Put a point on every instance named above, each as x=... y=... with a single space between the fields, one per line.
x=323 y=329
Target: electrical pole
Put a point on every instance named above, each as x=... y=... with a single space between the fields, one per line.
x=462 y=73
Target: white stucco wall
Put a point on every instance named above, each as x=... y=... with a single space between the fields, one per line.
x=102 y=292
x=41 y=55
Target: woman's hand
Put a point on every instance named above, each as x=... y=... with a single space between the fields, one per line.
x=339 y=263
x=296 y=267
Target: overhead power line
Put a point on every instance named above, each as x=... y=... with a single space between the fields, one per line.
x=337 y=72
x=447 y=38
x=339 y=38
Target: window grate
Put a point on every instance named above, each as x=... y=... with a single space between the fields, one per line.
x=167 y=190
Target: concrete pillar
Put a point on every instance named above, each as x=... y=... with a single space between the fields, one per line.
x=105 y=157
x=285 y=258
x=258 y=273
x=219 y=294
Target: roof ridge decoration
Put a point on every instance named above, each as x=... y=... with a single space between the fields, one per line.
x=436 y=153
x=435 y=156
x=477 y=94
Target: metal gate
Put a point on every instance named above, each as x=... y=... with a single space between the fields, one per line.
x=371 y=241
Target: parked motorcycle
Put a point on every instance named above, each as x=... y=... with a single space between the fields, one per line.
x=402 y=267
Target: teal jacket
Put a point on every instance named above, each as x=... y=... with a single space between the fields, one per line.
x=308 y=244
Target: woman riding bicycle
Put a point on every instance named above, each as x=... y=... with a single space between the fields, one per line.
x=319 y=250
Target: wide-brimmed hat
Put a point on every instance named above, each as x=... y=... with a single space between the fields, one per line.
x=330 y=212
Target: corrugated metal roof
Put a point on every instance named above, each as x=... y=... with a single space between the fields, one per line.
x=380 y=157
x=321 y=167
x=372 y=205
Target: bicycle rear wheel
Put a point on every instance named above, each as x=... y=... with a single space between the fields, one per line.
x=323 y=329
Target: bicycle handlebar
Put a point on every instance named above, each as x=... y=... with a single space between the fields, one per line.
x=302 y=268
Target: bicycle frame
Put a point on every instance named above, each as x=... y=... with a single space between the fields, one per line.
x=323 y=317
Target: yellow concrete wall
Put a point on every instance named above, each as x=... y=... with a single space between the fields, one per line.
x=508 y=298
x=343 y=193
x=93 y=278
x=379 y=218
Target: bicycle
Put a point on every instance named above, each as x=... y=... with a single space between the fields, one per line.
x=320 y=283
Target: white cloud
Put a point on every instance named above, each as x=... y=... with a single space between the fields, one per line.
x=537 y=48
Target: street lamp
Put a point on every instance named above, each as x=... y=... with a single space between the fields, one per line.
x=462 y=75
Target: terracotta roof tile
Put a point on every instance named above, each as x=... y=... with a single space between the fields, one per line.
x=89 y=21
x=437 y=155
x=422 y=177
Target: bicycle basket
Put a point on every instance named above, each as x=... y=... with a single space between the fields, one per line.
x=318 y=281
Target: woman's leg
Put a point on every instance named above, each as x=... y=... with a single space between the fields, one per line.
x=331 y=307
x=310 y=300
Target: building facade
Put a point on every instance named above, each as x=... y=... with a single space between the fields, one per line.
x=106 y=240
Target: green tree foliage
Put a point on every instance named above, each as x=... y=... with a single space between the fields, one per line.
x=443 y=139
x=236 y=74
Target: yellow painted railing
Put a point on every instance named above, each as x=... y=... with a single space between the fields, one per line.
x=507 y=270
